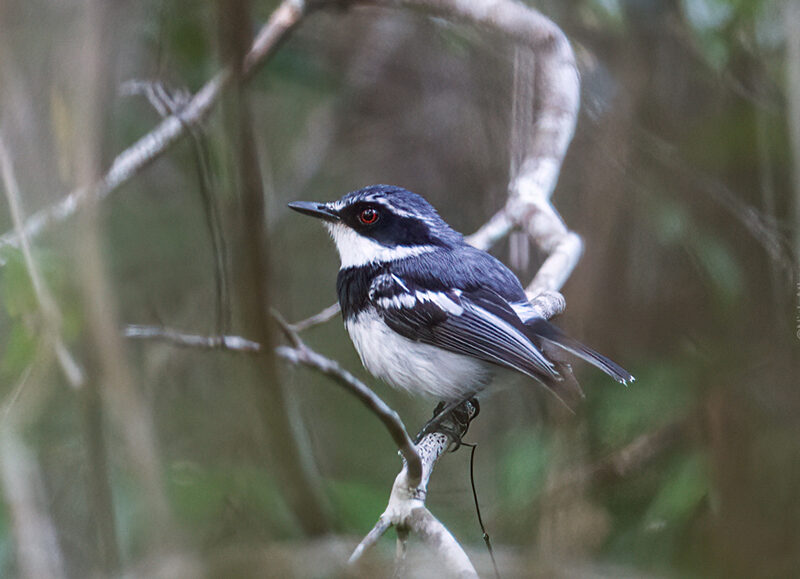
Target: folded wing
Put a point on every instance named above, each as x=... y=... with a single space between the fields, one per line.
x=478 y=324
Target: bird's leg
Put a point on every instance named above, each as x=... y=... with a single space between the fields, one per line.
x=452 y=419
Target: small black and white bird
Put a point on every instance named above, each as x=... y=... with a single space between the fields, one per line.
x=431 y=314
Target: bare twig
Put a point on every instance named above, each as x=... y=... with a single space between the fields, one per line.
x=224 y=342
x=320 y=318
x=50 y=312
x=406 y=506
x=155 y=143
x=301 y=354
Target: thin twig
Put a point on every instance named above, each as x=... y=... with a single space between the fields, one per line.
x=224 y=342
x=407 y=505
x=370 y=539
x=320 y=318
x=299 y=353
x=47 y=305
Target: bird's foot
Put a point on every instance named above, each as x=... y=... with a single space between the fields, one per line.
x=451 y=419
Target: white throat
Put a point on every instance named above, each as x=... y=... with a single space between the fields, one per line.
x=356 y=250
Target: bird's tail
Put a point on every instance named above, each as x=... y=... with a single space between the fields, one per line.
x=541 y=331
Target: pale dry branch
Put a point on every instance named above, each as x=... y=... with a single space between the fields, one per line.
x=545 y=111
x=320 y=318
x=168 y=335
x=299 y=354
x=406 y=508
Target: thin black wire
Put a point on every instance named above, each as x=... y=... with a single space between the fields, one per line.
x=486 y=538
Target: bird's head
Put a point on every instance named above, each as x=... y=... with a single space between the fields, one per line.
x=381 y=223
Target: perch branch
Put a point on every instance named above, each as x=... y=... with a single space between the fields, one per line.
x=406 y=508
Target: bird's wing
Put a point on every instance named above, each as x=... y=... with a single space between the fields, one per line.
x=477 y=323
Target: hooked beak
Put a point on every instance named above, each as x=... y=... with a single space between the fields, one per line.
x=320 y=210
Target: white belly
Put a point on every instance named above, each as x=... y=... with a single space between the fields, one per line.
x=413 y=366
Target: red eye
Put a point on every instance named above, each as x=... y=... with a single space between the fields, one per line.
x=368 y=216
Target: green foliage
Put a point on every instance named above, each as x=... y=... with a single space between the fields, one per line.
x=712 y=256
x=15 y=285
x=243 y=496
x=662 y=392
x=656 y=531
x=685 y=485
x=357 y=504
x=524 y=461
x=6 y=541
x=21 y=313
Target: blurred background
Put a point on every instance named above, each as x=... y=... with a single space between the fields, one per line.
x=145 y=459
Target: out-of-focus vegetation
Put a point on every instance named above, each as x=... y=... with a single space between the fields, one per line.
x=679 y=180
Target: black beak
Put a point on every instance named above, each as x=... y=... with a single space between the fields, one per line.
x=320 y=210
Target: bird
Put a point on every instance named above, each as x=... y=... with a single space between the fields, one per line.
x=431 y=314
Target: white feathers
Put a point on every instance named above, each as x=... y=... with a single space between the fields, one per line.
x=414 y=366
x=356 y=250
x=409 y=300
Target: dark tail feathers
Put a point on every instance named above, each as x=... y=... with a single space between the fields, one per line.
x=542 y=330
